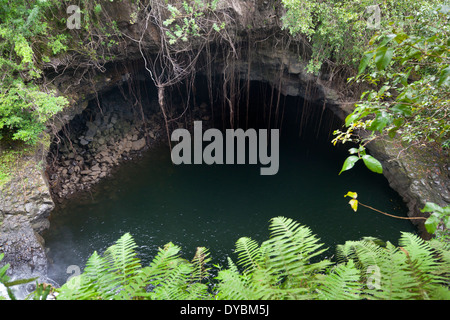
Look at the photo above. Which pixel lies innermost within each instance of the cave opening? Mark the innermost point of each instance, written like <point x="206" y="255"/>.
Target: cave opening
<point x="120" y="123"/>
<point x="126" y="181"/>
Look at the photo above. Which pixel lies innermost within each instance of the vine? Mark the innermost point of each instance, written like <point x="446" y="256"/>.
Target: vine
<point x="184" y="31"/>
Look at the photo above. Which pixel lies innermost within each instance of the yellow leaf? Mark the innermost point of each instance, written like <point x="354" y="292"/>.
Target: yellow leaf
<point x="354" y="204"/>
<point x="350" y="194"/>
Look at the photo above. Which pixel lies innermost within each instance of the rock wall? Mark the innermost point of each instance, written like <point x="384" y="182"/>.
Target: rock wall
<point x="25" y="204"/>
<point x="98" y="140"/>
<point x="419" y="175"/>
<point x="103" y="136"/>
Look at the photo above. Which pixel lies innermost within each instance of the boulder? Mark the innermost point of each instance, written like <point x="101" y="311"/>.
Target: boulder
<point x="84" y="142"/>
<point x="138" y="144"/>
<point x="96" y="168"/>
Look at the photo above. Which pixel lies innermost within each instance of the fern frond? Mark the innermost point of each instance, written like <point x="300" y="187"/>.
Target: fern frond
<point x="280" y="268"/>
<point x="166" y="258"/>
<point x="233" y="285"/>
<point x="268" y="286"/>
<point x="174" y="278"/>
<point x="116" y="275"/>
<point x="342" y="283"/>
<point x="422" y="264"/>
<point x="442" y="251"/>
<point x="406" y="272"/>
<point x="123" y="266"/>
<point x="419" y="251"/>
<point x="175" y="281"/>
<point x="97" y="273"/>
<point x="394" y="279"/>
<point x="123" y="258"/>
<point x="197" y="291"/>
<point x="200" y="264"/>
<point x="289" y="250"/>
<point x="77" y="288"/>
<point x="295" y="237"/>
<point x="248" y="253"/>
<point x="364" y="253"/>
<point x="92" y="284"/>
<point x="440" y="293"/>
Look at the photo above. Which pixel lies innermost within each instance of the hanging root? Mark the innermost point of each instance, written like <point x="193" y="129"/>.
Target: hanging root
<point x="163" y="109"/>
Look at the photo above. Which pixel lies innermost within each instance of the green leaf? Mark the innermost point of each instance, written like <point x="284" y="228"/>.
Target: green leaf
<point x="393" y="132"/>
<point x="365" y="61"/>
<point x="446" y="210"/>
<point x="351" y="118"/>
<point x="3" y="276"/>
<point x="372" y="163"/>
<point x="431" y="207"/>
<point x="445" y="75"/>
<point x="349" y="163"/>
<point x="404" y="77"/>
<point x="387" y="39"/>
<point x="19" y="282"/>
<point x="380" y="122"/>
<point x="432" y="223"/>
<point x="399" y="122"/>
<point x="98" y="8"/>
<point x="400" y="37"/>
<point x="383" y="89"/>
<point x="383" y="57"/>
<point x="403" y="109"/>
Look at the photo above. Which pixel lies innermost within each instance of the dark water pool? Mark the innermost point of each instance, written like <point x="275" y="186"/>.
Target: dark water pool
<point x="212" y="206"/>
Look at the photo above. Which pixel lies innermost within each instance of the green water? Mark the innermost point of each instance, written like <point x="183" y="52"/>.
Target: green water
<point x="212" y="206"/>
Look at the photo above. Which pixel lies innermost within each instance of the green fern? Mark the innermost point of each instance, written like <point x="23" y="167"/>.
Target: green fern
<point x="422" y="266"/>
<point x="408" y="272"/>
<point x="174" y="278"/>
<point x="116" y="275"/>
<point x="279" y="268"/>
<point x="342" y="283"/>
<point x="234" y="285"/>
<point x="442" y="250"/>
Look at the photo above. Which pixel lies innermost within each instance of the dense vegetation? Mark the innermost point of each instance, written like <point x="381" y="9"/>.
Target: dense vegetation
<point x="399" y="50"/>
<point x="31" y="34"/>
<point x="338" y="32"/>
<point x="402" y="56"/>
<point x="25" y="107"/>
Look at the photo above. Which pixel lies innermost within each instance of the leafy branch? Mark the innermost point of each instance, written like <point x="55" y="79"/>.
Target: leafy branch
<point x="354" y="202"/>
